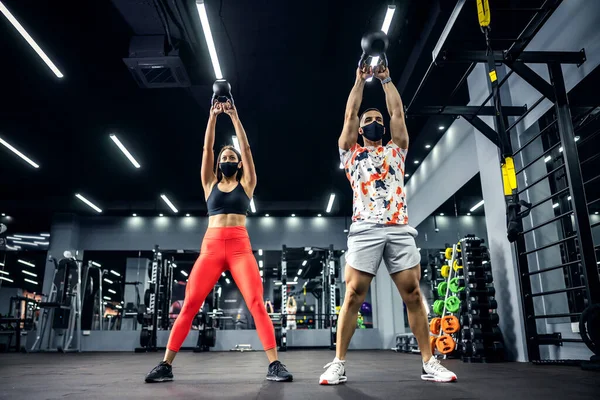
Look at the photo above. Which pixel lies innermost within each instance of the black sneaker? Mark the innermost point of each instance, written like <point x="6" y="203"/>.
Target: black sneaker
<point x="163" y="372"/>
<point x="278" y="372"/>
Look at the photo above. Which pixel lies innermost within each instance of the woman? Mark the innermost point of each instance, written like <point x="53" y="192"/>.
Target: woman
<point x="226" y="246"/>
<point x="291" y="308"/>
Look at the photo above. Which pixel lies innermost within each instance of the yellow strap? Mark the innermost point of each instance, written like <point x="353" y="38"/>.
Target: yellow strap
<point x="483" y="13"/>
<point x="509" y="177"/>
<point x="493" y="76"/>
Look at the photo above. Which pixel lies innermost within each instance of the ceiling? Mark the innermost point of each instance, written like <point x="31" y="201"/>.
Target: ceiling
<point x="291" y="66"/>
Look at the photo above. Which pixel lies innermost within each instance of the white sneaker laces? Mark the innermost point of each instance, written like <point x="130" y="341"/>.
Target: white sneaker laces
<point x="337" y="366"/>
<point x="435" y="365"/>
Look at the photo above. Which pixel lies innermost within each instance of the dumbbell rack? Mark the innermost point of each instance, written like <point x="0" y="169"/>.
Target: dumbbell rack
<point x="440" y="282"/>
<point x="481" y="339"/>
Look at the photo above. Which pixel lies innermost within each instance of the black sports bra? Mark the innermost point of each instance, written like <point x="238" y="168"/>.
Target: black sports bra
<point x="234" y="202"/>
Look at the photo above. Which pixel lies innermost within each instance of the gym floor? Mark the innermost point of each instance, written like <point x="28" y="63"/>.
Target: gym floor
<point x="221" y="375"/>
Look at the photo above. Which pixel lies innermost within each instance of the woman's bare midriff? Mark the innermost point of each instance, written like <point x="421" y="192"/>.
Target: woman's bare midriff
<point x="223" y="220"/>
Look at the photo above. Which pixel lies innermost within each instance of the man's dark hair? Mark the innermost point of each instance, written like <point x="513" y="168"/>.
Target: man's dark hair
<point x="367" y="110"/>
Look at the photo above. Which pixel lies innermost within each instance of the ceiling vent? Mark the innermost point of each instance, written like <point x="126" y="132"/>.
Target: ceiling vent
<point x="150" y="65"/>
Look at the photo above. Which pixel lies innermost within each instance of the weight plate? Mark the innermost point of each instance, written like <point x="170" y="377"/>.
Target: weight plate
<point x="210" y="337"/>
<point x="434" y="326"/>
<point x="448" y="253"/>
<point x="445" y="271"/>
<point x="442" y="289"/>
<point x="450" y="324"/>
<point x="456" y="285"/>
<point x="144" y="338"/>
<point x="589" y="327"/>
<point x="445" y="344"/>
<point x="438" y="307"/>
<point x="452" y="304"/>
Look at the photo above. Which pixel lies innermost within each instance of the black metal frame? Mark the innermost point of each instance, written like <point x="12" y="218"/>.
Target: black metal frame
<point x="578" y="240"/>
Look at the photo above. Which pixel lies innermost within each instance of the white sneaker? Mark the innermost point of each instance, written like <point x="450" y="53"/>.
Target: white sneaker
<point x="434" y="371"/>
<point x="335" y="374"/>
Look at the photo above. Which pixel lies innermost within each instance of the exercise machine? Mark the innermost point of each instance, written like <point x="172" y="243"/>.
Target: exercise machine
<point x="93" y="301"/>
<point x="150" y="318"/>
<point x="62" y="308"/>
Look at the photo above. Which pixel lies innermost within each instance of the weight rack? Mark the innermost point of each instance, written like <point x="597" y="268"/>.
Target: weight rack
<point x="481" y="338"/>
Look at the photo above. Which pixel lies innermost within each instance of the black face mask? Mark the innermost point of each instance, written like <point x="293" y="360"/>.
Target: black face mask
<point x="373" y="131"/>
<point x="228" y="169"/>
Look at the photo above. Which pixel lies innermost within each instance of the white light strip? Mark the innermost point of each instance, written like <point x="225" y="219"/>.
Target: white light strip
<point x="569" y="198"/>
<point x="387" y="21"/>
<point x="45" y="235"/>
<point x="300" y="271"/>
<point x="209" y="39"/>
<point x="554" y="205"/>
<point x="112" y="291"/>
<point x="261" y="272"/>
<point x="310" y="251"/>
<point x="26" y="263"/>
<point x="89" y="203"/>
<point x="236" y="143"/>
<point x="227" y="280"/>
<point x="95" y="264"/>
<point x="223" y="274"/>
<point x="3" y="272"/>
<point x="17" y="152"/>
<point x="476" y="206"/>
<point x="29" y="237"/>
<point x="260" y="252"/>
<point x="296" y="279"/>
<point x="121" y="147"/>
<point x="171" y="206"/>
<point x="25" y="243"/>
<point x="252" y="206"/>
<point x="30" y="40"/>
<point x="29" y="273"/>
<point x="42" y="243"/>
<point x="341" y="165"/>
<point x="548" y="158"/>
<point x="107" y="298"/>
<point x="30" y="281"/>
<point x="115" y="273"/>
<point x="330" y="204"/>
<point x="107" y="280"/>
<point x="6" y="279"/>
<point x="260" y="263"/>
<point x="304" y="263"/>
<point x="184" y="273"/>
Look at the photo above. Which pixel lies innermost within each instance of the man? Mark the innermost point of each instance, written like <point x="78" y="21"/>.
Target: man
<point x="380" y="227"/>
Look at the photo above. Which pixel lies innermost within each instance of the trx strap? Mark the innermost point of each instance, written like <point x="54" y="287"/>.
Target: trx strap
<point x="507" y="165"/>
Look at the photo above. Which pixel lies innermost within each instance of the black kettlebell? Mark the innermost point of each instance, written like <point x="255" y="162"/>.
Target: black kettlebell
<point x="221" y="92"/>
<point x="374" y="44"/>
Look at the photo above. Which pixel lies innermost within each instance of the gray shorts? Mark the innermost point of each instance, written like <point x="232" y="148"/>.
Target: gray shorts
<point x="369" y="243"/>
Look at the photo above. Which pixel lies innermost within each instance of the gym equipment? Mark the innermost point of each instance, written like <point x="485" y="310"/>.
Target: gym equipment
<point x="221" y="92"/>
<point x="442" y="289"/>
<point x="492" y="305"/>
<point x="365" y="308"/>
<point x="63" y="308"/>
<point x="450" y="324"/>
<point x="452" y="304"/>
<point x="374" y="44"/>
<point x="445" y="271"/>
<point x="472" y="348"/>
<point x="435" y="325"/>
<point x="93" y="301"/>
<point x="475" y="319"/>
<point x="478" y="334"/>
<point x="432" y="343"/>
<point x="457" y="265"/>
<point x="445" y="344"/>
<point x="438" y="307"/>
<point x="150" y="319"/>
<point x="207" y="334"/>
<point x="589" y="327"/>
<point x="456" y="285"/>
<point x="485" y="291"/>
<point x="448" y="253"/>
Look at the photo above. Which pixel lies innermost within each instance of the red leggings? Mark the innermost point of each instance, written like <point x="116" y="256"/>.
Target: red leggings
<point x="226" y="248"/>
